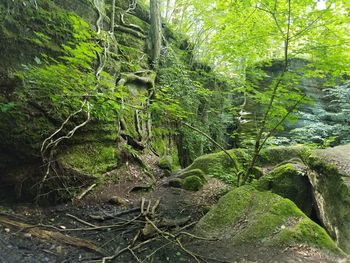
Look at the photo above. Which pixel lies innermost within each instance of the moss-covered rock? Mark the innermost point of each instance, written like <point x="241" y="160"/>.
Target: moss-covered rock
<point x="276" y="155"/>
<point x="194" y="172"/>
<point x="166" y="162"/>
<point x="48" y="61"/>
<point x="331" y="187"/>
<point x="192" y="183"/>
<point x="290" y="181"/>
<point x="248" y="216"/>
<point x="257" y="172"/>
<point x="176" y="182"/>
<point x="219" y="165"/>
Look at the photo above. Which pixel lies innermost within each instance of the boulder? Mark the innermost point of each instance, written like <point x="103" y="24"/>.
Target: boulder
<point x="248" y="216"/>
<point x="290" y="180"/>
<point x="219" y="165"/>
<point x="330" y="179"/>
<point x="166" y="163"/>
<point x="192" y="183"/>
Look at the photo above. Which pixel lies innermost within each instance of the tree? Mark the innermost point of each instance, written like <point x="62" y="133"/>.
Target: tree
<point x="155" y="32"/>
<point x="246" y="34"/>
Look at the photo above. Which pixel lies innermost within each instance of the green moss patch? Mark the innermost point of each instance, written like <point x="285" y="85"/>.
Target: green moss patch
<point x="246" y="215"/>
<point x="92" y="159"/>
<point x="192" y="183"/>
<point x="219" y="165"/>
<point x="275" y="155"/>
<point x="289" y="181"/>
<point x="166" y="162"/>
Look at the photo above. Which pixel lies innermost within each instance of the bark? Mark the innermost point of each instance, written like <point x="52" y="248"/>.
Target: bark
<point x="155" y="32"/>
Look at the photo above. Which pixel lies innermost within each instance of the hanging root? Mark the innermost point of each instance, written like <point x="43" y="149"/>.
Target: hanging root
<point x="50" y="144"/>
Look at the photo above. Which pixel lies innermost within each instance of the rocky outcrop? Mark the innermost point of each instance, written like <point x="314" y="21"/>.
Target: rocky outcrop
<point x="60" y="63"/>
<point x="330" y="179"/>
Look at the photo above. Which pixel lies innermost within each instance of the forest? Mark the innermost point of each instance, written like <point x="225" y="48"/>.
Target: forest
<point x="154" y="131"/>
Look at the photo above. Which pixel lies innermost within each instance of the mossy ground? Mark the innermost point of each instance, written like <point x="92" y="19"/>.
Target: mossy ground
<point x="246" y="215"/>
<point x="192" y="183"/>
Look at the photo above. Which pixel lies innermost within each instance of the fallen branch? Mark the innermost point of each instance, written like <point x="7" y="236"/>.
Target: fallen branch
<point x="35" y="231"/>
<point x="81" y="221"/>
<point x="85" y="192"/>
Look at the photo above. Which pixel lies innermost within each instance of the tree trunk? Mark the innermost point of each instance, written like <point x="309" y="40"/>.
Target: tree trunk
<point x="167" y="11"/>
<point x="155" y="32"/>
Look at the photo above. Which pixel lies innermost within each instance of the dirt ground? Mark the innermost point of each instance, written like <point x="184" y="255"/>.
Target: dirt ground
<point x="116" y="229"/>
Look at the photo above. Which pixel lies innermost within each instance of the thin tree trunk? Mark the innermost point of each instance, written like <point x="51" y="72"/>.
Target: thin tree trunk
<point x="155" y="32"/>
<point x="260" y="141"/>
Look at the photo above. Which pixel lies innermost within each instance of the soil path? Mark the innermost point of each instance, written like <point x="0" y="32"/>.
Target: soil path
<point x="125" y="223"/>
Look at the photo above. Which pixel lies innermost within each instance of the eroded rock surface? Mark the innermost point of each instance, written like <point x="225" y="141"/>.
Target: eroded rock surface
<point x="330" y="181"/>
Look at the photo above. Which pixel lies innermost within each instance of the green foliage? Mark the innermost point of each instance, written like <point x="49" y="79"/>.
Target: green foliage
<point x="194" y="94"/>
<point x="65" y="82"/>
<point x="166" y="162"/>
<point x="328" y="124"/>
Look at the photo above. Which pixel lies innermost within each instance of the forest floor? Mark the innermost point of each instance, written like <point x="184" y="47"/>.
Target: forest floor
<point x="101" y="227"/>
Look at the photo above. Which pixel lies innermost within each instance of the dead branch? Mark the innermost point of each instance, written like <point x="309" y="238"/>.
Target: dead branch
<point x="85" y="192"/>
<point x="112" y="216"/>
<point x="81" y="220"/>
<point x="35" y="231"/>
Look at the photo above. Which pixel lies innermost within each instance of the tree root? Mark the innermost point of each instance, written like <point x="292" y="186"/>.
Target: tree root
<point x="130" y="31"/>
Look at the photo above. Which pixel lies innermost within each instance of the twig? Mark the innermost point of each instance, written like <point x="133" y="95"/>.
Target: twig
<point x="187" y="251"/>
<point x="81" y="220"/>
<point x="111" y="216"/>
<point x="155" y="251"/>
<point x="134" y="255"/>
<point x="79" y="197"/>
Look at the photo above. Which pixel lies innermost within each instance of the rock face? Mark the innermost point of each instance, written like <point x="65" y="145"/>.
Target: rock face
<point x="53" y="53"/>
<point x="330" y="180"/>
<point x="290" y="180"/>
<point x="248" y="216"/>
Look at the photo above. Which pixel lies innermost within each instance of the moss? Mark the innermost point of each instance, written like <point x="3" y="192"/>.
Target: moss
<point x="194" y="172"/>
<point x="192" y="183"/>
<point x="176" y="182"/>
<point x="290" y="181"/>
<point x="246" y="215"/>
<point x="306" y="231"/>
<point x="92" y="159"/>
<point x="275" y="155"/>
<point x="166" y="162"/>
<point x="219" y="165"/>
<point x="257" y="172"/>
<point x="333" y="193"/>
